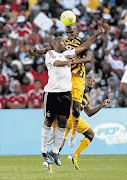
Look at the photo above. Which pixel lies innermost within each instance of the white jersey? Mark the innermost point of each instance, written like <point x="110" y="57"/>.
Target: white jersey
<point x="124" y="78"/>
<point x="59" y="77"/>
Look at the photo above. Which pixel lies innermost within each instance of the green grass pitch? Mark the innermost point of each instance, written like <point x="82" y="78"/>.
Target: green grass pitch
<point x="95" y="167"/>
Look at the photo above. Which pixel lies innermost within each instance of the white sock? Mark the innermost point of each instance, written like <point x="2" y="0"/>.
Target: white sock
<point x="44" y="138"/>
<point x="59" y="137"/>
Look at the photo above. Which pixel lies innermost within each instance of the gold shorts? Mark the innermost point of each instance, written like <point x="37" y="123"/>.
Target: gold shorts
<point x="78" y="86"/>
<point x="82" y="127"/>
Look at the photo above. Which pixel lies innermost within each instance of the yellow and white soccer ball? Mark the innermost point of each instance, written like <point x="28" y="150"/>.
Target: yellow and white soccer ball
<point x="68" y="18"/>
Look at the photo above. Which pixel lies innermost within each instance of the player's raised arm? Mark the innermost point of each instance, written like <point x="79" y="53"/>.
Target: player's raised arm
<point x="34" y="50"/>
<point x="62" y="63"/>
<point x="85" y="59"/>
<point x="90" y="41"/>
<point x="91" y="112"/>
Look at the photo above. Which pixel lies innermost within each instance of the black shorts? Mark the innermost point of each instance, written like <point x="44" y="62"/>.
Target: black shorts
<point x="57" y="104"/>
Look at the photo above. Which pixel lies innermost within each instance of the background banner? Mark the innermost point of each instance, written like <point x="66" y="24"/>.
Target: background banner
<point x="20" y="132"/>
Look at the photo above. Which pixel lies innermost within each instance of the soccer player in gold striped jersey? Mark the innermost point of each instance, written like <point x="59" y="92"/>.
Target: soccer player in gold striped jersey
<point x="78" y="79"/>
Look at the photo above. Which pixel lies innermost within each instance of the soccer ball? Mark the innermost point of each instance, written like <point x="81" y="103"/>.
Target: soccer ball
<point x="68" y="18"/>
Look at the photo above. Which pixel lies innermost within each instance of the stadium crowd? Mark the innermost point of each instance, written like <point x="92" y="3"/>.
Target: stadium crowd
<point x="28" y="23"/>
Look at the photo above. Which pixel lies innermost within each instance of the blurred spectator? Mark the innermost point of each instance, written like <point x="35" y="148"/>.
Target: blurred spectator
<point x="17" y="100"/>
<point x="40" y="74"/>
<point x="2" y="98"/>
<point x="4" y="80"/>
<point x="112" y="92"/>
<point x="24" y="29"/>
<point x="116" y="62"/>
<point x="27" y="82"/>
<point x="27" y="64"/>
<point x="107" y="76"/>
<point x="35" y="96"/>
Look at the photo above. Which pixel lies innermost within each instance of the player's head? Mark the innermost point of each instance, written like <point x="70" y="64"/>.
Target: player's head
<point x="37" y="84"/>
<point x="90" y="81"/>
<point x="58" y="44"/>
<point x="71" y="31"/>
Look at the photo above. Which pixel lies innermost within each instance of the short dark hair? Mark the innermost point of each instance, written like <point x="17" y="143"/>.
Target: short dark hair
<point x="90" y="77"/>
<point x="55" y="40"/>
<point x="73" y="26"/>
<point x="37" y="80"/>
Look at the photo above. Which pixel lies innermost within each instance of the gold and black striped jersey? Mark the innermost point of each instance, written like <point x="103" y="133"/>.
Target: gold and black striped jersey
<point x="85" y="100"/>
<point x="78" y="69"/>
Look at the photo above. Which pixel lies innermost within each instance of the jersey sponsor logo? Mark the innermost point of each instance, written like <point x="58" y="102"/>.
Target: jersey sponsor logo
<point x="111" y="133"/>
<point x="69" y="47"/>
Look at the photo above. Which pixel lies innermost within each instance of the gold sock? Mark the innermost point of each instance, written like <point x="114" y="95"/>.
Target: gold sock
<point x="83" y="145"/>
<point x="54" y="125"/>
<point x="74" y="124"/>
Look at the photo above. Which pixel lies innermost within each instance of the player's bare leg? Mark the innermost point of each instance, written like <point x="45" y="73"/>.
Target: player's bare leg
<point x="75" y="115"/>
<point x="89" y="135"/>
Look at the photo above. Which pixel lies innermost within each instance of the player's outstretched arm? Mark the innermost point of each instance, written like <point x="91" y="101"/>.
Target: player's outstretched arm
<point x="62" y="63"/>
<point x="90" y="41"/>
<point x="91" y="112"/>
<point x="82" y="60"/>
<point x="34" y="50"/>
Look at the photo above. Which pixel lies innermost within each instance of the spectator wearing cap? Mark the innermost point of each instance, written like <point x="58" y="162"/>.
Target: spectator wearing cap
<point x="22" y="28"/>
<point x="17" y="100"/>
<point x="27" y="82"/>
<point x="27" y="64"/>
<point x="106" y="18"/>
<point x="35" y="96"/>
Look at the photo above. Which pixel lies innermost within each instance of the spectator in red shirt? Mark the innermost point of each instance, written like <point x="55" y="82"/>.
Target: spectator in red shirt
<point x="24" y="30"/>
<point x="35" y="96"/>
<point x="41" y="74"/>
<point x="27" y="82"/>
<point x="17" y="100"/>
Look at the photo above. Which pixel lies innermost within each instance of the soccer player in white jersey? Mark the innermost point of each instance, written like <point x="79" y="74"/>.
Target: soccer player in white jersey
<point x="57" y="97"/>
<point x="123" y="84"/>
